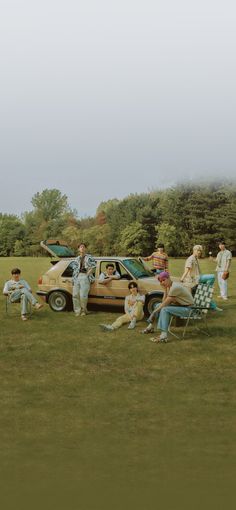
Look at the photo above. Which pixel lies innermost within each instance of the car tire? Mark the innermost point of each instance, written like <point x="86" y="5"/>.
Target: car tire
<point x="151" y="302"/>
<point x="58" y="301"/>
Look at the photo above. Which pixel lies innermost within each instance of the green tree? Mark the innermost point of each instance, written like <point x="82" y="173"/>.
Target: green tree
<point x="133" y="239"/>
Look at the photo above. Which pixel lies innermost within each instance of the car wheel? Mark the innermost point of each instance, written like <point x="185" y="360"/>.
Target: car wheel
<point x="58" y="301"/>
<point x="151" y="303"/>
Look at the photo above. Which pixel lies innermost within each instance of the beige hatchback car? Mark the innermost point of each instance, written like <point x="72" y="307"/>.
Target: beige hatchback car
<point x="55" y="286"/>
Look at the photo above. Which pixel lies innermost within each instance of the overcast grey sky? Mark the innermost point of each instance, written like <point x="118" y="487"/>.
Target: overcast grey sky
<point x="102" y="98"/>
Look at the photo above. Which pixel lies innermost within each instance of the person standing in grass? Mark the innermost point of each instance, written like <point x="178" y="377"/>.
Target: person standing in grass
<point x="223" y="260"/>
<point x="133" y="310"/>
<point x="159" y="259"/>
<point x="17" y="290"/>
<point x="82" y="276"/>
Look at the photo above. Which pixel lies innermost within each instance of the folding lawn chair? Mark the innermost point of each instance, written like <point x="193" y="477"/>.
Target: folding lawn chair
<point x="197" y="312"/>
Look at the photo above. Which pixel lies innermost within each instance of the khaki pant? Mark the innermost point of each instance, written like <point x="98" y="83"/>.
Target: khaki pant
<point x="124" y="319"/>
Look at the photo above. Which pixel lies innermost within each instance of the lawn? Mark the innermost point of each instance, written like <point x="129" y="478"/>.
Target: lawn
<point x="94" y="421"/>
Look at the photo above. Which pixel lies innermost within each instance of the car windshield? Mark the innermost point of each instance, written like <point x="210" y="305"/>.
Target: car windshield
<point x="136" y="268"/>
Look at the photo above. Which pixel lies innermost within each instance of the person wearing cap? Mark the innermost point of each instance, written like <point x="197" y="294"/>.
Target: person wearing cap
<point x="176" y="300"/>
<point x="223" y="260"/>
<point x="159" y="259"/>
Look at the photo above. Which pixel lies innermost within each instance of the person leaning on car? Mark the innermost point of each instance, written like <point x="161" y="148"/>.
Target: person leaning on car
<point x="108" y="275"/>
<point x="82" y="277"/>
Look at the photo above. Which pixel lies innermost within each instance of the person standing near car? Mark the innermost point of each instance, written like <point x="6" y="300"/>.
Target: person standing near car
<point x="159" y="259"/>
<point x="82" y="278"/>
<point x="223" y="260"/>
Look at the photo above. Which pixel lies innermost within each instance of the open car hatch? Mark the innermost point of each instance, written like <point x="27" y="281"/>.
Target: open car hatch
<point x="57" y="248"/>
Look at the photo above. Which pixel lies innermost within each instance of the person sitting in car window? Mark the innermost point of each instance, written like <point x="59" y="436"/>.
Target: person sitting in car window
<point x="133" y="310"/>
<point x="109" y="275"/>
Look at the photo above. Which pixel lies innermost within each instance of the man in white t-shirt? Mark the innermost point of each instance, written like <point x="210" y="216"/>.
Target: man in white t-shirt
<point x="223" y="260"/>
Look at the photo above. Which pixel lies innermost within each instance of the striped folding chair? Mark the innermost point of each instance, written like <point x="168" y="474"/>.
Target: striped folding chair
<point x="198" y="312"/>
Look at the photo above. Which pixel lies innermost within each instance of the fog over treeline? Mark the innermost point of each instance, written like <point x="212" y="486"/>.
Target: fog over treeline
<point x="179" y="217"/>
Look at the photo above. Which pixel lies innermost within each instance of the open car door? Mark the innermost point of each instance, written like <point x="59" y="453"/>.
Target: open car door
<point x="57" y="248"/>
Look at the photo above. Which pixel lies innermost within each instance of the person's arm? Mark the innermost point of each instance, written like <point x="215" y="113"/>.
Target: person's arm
<point x="228" y="262"/>
<point x="146" y="259"/>
<point x="185" y="273"/>
<point x="6" y="289"/>
<point x="103" y="280"/>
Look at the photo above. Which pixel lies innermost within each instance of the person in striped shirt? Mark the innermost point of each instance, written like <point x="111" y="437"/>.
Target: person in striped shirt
<point x="159" y="259"/>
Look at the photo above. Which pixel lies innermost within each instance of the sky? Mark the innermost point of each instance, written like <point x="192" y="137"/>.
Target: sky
<point x="103" y="98"/>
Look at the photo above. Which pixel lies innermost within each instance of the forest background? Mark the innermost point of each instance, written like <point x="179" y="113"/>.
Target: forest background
<point x="179" y="217"/>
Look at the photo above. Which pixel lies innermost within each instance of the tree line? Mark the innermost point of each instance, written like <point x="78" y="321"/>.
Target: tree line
<point x="179" y="217"/>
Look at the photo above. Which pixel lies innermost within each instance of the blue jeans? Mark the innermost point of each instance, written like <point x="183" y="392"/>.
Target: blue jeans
<point x="166" y="313"/>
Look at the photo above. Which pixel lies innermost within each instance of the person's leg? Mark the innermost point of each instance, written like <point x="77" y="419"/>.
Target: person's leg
<point x="84" y="292"/>
<point x="123" y="319"/>
<point x="76" y="298"/>
<point x="224" y="288"/>
<point x="29" y="296"/>
<point x="165" y="316"/>
<point x="220" y="283"/>
<point x="138" y="314"/>
<point x="209" y="279"/>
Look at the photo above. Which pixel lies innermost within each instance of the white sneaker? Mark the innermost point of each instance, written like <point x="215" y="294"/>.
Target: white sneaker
<point x="106" y="327"/>
<point x="37" y="306"/>
<point x="132" y="324"/>
<point x="224" y="298"/>
<point x="77" y="314"/>
<point x="217" y="309"/>
<point x="163" y="337"/>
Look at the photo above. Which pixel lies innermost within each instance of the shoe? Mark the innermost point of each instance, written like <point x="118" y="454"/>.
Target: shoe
<point x="106" y="327"/>
<point x="83" y="314"/>
<point x="132" y="324"/>
<point x="220" y="297"/>
<point x="77" y="314"/>
<point x="224" y="298"/>
<point x="37" y="306"/>
<point x="159" y="339"/>
<point x="24" y="318"/>
<point x="217" y="309"/>
<point x="148" y="329"/>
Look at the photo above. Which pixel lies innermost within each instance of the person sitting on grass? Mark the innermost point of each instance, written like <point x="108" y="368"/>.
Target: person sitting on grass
<point x="133" y="310"/>
<point x="176" y="300"/>
<point x="18" y="289"/>
<point x="109" y="275"/>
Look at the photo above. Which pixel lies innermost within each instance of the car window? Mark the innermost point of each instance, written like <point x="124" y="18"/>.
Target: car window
<point x="103" y="268"/>
<point x="68" y="271"/>
<point x="136" y="268"/>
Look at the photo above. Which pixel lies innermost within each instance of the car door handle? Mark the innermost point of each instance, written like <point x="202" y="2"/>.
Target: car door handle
<point x="65" y="281"/>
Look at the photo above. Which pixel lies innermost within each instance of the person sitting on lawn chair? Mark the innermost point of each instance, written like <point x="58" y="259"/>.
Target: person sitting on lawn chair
<point x="176" y="299"/>
<point x="17" y="290"/>
<point x="133" y="310"/>
<point x="192" y="276"/>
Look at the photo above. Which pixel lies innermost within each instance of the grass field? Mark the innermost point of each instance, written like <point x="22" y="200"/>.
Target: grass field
<point x="93" y="421"/>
